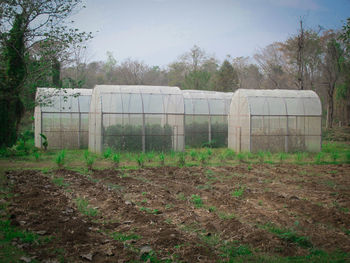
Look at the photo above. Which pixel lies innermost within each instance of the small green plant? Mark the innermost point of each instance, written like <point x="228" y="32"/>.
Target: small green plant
<point x="181" y="197"/>
<point x="193" y="154"/>
<point x="124" y="237"/>
<point x="60" y="158"/>
<point x="238" y="192"/>
<point x="226" y="216"/>
<point x="241" y="157"/>
<point x="181" y="159"/>
<point x="107" y="153"/>
<point x="282" y="157"/>
<point x="261" y="156"/>
<point x="36" y="155"/>
<point x="231" y="250"/>
<point x="209" y="153"/>
<point x="203" y="158"/>
<point x="335" y="156"/>
<point x="230" y="154"/>
<point x="83" y="207"/>
<point x="222" y="157"/>
<point x="161" y="159"/>
<point x="150" y="156"/>
<point x="250" y="167"/>
<point x="89" y="159"/>
<point x="149" y="211"/>
<point x="59" y="181"/>
<point x="197" y="201"/>
<point x="140" y="160"/>
<point x="45" y="142"/>
<point x="116" y="160"/>
<point x="211" y="209"/>
<point x="319" y="158"/>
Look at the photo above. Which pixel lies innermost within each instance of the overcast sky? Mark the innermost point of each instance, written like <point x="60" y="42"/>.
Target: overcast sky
<point x="158" y="31"/>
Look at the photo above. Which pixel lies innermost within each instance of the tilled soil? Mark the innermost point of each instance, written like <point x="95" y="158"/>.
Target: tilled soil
<point x="156" y="205"/>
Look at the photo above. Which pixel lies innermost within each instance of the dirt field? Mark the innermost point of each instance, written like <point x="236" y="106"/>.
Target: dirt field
<point x="191" y="214"/>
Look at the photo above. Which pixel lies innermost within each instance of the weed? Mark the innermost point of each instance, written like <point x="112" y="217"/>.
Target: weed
<point x="260" y="203"/>
<point x="181" y="197"/>
<point x="203" y="158"/>
<point x="249" y="167"/>
<point x="168" y="206"/>
<point x="60" y="158"/>
<point x="116" y="160"/>
<point x="241" y="157"/>
<point x="238" y="192"/>
<point x="197" y="201"/>
<point x="150" y="211"/>
<point x="89" y="159"/>
<point x="45" y="142"/>
<point x="150" y="156"/>
<point x="319" y="158"/>
<point x="140" y="160"/>
<point x="162" y="159"/>
<point x="299" y="157"/>
<point x="282" y="157"/>
<point x="59" y="181"/>
<point x="36" y="155"/>
<point x="335" y="156"/>
<point x="261" y="156"/>
<point x="82" y="205"/>
<point x="209" y="153"/>
<point x="289" y="235"/>
<point x="181" y="159"/>
<point x="222" y="157"/>
<point x="193" y="154"/>
<point x="230" y="250"/>
<point x="211" y="209"/>
<point x="124" y="237"/>
<point x="107" y="153"/>
<point x="230" y="154"/>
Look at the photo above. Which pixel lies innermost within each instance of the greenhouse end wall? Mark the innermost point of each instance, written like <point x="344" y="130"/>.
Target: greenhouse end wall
<point x="136" y="118"/>
<point x="275" y="120"/>
<point x="62" y="116"/>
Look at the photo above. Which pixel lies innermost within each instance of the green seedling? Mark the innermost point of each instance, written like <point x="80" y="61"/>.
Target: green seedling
<point x="60" y="158"/>
<point x="59" y="181"/>
<point x="230" y="154"/>
<point x="319" y="158"/>
<point x="282" y="157"/>
<point x="36" y="155"/>
<point x="261" y="156"/>
<point x="335" y="156"/>
<point x="238" y="192"/>
<point x="83" y="207"/>
<point x="140" y="160"/>
<point x="241" y="157"/>
<point x="181" y="161"/>
<point x="124" y="237"/>
<point x="116" y="160"/>
<point x="197" y="201"/>
<point x="193" y="155"/>
<point x="107" y="153"/>
<point x="150" y="156"/>
<point x="209" y="153"/>
<point x="89" y="159"/>
<point x="203" y="158"/>
<point x="162" y="159"/>
<point x="45" y="142"/>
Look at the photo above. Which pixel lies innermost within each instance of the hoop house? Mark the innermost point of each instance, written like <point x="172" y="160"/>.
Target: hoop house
<point x="136" y="118"/>
<point x="275" y="120"/>
<point x="62" y="115"/>
<point x="206" y="117"/>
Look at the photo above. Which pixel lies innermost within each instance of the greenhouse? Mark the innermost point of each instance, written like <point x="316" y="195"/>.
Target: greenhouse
<point x="136" y="118"/>
<point x="275" y="120"/>
<point x="62" y="116"/>
<point x="206" y="117"/>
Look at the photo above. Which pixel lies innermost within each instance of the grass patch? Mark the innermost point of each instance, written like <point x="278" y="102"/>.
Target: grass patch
<point x="59" y="181"/>
<point x="83" y="207"/>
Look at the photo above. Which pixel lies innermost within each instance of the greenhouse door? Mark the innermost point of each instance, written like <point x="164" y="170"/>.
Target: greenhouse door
<point x="238" y="139"/>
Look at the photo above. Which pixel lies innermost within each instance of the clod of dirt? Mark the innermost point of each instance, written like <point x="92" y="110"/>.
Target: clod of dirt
<point x="41" y="232"/>
<point x="26" y="259"/>
<point x="87" y="256"/>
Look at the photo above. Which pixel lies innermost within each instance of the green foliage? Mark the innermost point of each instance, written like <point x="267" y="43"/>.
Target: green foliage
<point x="282" y="157"/>
<point x="116" y="159"/>
<point x="59" y="181"/>
<point x="193" y="154"/>
<point x="83" y="207"/>
<point x="60" y="158"/>
<point x="149" y="211"/>
<point x="45" y="142"/>
<point x="181" y="159"/>
<point x="89" y="159"/>
<point x="197" y="201"/>
<point x="162" y="159"/>
<point x="150" y="156"/>
<point x="129" y="137"/>
<point x="241" y="157"/>
<point x="238" y="192"/>
<point x="230" y="154"/>
<point x="319" y="158"/>
<point x="289" y="235"/>
<point x="107" y="153"/>
<point x="140" y="158"/>
<point x="335" y="156"/>
<point x="203" y="158"/>
<point x="36" y="155"/>
<point x="124" y="237"/>
<point x="231" y="250"/>
<point x="261" y="156"/>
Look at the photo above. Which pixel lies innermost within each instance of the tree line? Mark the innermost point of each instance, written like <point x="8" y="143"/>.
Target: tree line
<point x="39" y="49"/>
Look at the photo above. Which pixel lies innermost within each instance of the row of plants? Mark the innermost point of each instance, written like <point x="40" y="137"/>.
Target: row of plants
<point x="197" y="135"/>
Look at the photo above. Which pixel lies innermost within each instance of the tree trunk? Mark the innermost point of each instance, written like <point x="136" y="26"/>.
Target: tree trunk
<point x="329" y="121"/>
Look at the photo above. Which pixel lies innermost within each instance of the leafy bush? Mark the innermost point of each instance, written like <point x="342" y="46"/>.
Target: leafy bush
<point x="129" y="137"/>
